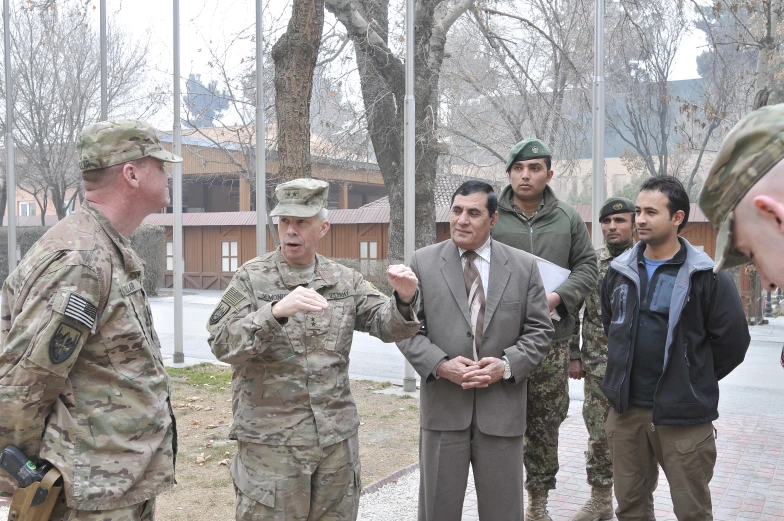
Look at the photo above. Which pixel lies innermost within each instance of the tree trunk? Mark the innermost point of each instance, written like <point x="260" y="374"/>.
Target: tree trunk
<point x="382" y="77"/>
<point x="295" y="55"/>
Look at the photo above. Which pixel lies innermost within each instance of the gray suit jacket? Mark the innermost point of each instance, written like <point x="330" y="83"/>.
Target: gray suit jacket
<point x="516" y="324"/>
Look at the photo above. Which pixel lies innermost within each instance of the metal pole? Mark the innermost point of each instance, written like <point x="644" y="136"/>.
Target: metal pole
<point x="10" y="167"/>
<point x="598" y="195"/>
<point x="179" y="263"/>
<point x="409" y="196"/>
<point x="104" y="68"/>
<point x="261" y="144"/>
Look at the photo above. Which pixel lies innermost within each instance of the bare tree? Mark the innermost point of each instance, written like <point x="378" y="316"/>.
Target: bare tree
<point x="519" y="72"/>
<point x="644" y="42"/>
<point x="56" y="93"/>
<point x="382" y="77"/>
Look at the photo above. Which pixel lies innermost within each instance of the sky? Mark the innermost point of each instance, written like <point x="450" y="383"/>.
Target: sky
<point x="214" y="24"/>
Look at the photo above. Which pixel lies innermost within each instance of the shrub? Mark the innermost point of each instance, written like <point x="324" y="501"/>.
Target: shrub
<point x="149" y="243"/>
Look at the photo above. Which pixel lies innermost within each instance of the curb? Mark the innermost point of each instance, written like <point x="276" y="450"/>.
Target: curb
<point x="374" y="487"/>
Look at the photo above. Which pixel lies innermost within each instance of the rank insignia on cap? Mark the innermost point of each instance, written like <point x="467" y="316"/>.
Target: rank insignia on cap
<point x="291" y="194"/>
<point x="535" y="150"/>
<point x="617" y="206"/>
<point x="63" y="343"/>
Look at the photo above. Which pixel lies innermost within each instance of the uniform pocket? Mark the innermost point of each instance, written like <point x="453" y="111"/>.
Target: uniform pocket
<point x="126" y="345"/>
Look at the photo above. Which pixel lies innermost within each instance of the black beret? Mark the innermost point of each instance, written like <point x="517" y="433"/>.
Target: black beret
<point x="615" y="205"/>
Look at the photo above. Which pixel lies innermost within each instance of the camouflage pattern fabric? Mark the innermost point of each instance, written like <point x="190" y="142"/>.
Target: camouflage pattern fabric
<point x="109" y="143"/>
<point x="290" y="381"/>
<point x="598" y="465"/>
<point x="82" y="381"/>
<point x="288" y="483"/>
<point x="593" y="352"/>
<point x="548" y="404"/>
<point x="301" y="197"/>
<point x="144" y="511"/>
<point x="752" y="148"/>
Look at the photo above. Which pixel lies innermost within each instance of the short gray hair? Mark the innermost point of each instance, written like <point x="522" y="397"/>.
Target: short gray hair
<point x="323" y="213"/>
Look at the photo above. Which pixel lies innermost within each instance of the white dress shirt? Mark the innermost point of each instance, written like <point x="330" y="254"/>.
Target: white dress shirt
<point x="481" y="261"/>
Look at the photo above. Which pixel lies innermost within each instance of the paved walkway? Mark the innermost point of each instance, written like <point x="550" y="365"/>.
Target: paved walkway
<point x="748" y="481"/>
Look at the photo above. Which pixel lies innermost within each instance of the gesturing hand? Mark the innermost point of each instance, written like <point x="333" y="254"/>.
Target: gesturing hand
<point x="455" y="369"/>
<point x="301" y="299"/>
<point x="403" y="280"/>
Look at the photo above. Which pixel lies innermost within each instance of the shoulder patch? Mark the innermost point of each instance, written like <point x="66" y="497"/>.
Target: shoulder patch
<point x="63" y="343"/>
<point x="231" y="299"/>
<point x="82" y="310"/>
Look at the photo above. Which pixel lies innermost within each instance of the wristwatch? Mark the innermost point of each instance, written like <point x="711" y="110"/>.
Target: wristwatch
<point x="507" y="370"/>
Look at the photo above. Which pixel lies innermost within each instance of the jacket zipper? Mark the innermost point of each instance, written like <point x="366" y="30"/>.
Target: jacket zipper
<point x="531" y="227"/>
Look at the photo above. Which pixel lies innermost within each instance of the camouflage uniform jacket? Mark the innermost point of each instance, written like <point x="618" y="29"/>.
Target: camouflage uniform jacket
<point x="82" y="382"/>
<point x="290" y="381"/>
<point x="593" y="353"/>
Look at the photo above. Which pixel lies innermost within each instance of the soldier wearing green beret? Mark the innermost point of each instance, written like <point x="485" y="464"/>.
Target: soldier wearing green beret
<point x="533" y="219"/>
<point x="589" y="361"/>
<point x="82" y="381"/>
<point x="285" y="324"/>
<point x="743" y="195"/>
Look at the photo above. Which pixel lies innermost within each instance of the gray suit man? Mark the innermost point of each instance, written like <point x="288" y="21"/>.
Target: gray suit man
<point x="485" y="327"/>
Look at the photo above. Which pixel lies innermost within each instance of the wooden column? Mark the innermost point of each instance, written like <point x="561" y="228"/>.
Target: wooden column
<point x="343" y="199"/>
<point x="244" y="195"/>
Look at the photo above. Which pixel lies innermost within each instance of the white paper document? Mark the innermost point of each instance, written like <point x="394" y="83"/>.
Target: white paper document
<point x="552" y="277"/>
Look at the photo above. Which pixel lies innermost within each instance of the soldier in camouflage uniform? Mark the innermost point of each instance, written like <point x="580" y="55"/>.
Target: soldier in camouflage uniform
<point x="285" y="324"/>
<point x="590" y="362"/>
<point x="743" y="196"/>
<point x="533" y="219"/>
<point x="82" y="381"/>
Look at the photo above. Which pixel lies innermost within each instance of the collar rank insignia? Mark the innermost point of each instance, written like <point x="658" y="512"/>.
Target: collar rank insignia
<point x="63" y="343"/>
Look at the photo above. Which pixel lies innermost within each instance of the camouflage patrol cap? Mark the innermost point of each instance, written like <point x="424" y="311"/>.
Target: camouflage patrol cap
<point x="109" y="143"/>
<point x="750" y="150"/>
<point x="301" y="197"/>
<point x="615" y="205"/>
<point x="526" y="149"/>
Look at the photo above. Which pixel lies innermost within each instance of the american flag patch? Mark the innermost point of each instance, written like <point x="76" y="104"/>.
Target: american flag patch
<point x="81" y="310"/>
<point x="233" y="296"/>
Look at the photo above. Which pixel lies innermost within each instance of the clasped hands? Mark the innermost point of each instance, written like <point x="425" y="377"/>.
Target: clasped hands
<point x="470" y="374"/>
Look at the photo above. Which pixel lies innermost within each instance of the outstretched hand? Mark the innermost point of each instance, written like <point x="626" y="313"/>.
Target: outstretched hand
<point x="403" y="281"/>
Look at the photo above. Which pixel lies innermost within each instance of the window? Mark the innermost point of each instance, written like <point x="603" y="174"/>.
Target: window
<point x="368" y="257"/>
<point x="26" y="208"/>
<point x="229" y="257"/>
<point x="170" y="256"/>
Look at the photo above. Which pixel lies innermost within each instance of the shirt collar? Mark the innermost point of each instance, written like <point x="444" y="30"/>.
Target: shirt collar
<point x="483" y="251"/>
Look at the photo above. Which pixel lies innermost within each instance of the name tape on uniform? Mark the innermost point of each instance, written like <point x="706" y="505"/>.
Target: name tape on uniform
<point x="81" y="310"/>
<point x="131" y="287"/>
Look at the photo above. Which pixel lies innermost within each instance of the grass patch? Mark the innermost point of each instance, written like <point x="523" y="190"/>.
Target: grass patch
<point x="205" y="375"/>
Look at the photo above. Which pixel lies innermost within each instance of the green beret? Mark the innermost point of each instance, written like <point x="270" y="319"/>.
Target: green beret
<point x="301" y="198"/>
<point x="526" y="149"/>
<point x="752" y="148"/>
<point x="615" y="205"/>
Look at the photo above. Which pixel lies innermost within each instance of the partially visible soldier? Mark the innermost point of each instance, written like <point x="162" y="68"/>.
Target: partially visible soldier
<point x="82" y="381"/>
<point x="285" y="324"/>
<point x="743" y="195"/>
<point x="590" y="362"/>
<point x="533" y="219"/>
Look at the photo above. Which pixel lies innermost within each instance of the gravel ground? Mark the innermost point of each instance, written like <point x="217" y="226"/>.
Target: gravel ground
<point x="398" y="501"/>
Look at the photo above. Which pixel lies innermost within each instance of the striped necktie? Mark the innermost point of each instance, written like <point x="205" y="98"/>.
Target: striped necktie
<point x="476" y="300"/>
